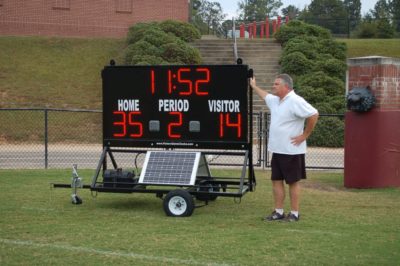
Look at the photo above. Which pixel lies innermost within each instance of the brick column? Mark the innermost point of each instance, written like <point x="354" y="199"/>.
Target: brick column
<point x="372" y="139"/>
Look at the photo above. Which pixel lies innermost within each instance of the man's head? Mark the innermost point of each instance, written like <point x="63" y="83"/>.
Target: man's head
<point x="283" y="84"/>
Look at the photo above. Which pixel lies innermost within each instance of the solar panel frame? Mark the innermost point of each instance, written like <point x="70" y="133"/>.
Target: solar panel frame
<point x="170" y="168"/>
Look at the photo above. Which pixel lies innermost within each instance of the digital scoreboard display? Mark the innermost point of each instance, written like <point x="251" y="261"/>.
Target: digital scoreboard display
<point x="202" y="106"/>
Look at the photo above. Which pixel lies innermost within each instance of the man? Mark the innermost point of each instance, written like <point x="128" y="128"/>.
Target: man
<point x="287" y="142"/>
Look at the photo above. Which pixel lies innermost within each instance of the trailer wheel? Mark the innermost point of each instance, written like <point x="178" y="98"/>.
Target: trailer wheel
<point x="178" y="203"/>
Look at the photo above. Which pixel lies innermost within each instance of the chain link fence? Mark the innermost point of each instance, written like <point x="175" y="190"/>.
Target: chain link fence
<point x="56" y="138"/>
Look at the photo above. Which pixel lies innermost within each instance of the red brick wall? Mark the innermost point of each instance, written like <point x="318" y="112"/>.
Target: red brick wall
<point x="382" y="74"/>
<point x="84" y="18"/>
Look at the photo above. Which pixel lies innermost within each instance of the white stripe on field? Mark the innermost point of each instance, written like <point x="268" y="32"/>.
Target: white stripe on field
<point x="108" y="252"/>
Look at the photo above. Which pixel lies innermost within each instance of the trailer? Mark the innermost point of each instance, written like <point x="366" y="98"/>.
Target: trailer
<point x="176" y="117"/>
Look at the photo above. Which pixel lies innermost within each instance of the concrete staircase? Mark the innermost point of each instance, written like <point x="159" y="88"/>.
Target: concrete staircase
<point x="261" y="55"/>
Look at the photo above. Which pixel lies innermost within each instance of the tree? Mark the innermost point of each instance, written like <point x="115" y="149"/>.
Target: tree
<point x="381" y="9"/>
<point x="207" y="15"/>
<point x="258" y="10"/>
<point x="353" y="8"/>
<point x="394" y="6"/>
<point x="291" y="11"/>
<point x="382" y="15"/>
<point x="330" y="14"/>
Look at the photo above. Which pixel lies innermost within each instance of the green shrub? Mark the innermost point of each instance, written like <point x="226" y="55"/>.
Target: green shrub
<point x="138" y="31"/>
<point x="329" y="132"/>
<point x="184" y="31"/>
<point x="157" y="43"/>
<point x="367" y="30"/>
<point x="297" y="28"/>
<point x="140" y="48"/>
<point x="147" y="60"/>
<point x="385" y="29"/>
<point x="332" y="47"/>
<point x="180" y="53"/>
<point x="332" y="86"/>
<point x="305" y="45"/>
<point x="311" y="94"/>
<point x="296" y="63"/>
<point x="325" y="107"/>
<point x="157" y="37"/>
<point x="338" y="102"/>
<point x="332" y="67"/>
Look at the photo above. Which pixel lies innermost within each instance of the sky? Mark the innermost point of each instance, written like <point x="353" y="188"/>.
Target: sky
<point x="230" y="6"/>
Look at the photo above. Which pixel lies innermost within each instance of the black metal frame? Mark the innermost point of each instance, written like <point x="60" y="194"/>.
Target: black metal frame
<point x="230" y="186"/>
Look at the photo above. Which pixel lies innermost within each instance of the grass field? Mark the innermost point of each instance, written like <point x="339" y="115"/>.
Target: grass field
<point x="338" y="226"/>
<point x="367" y="47"/>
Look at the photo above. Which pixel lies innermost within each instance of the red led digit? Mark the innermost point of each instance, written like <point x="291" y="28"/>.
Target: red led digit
<point x="228" y="123"/>
<point x="122" y="124"/>
<point x="238" y="124"/>
<point x="137" y="124"/>
<point x="221" y="125"/>
<point x="169" y="82"/>
<point x="176" y="124"/>
<point x="205" y="80"/>
<point x="185" y="81"/>
<point x="153" y="86"/>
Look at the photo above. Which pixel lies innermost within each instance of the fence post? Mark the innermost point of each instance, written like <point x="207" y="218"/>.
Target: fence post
<point x="279" y="21"/>
<point x="242" y="31"/>
<point x="46" y="139"/>
<point x="255" y="29"/>
<point x="262" y="30"/>
<point x="250" y="29"/>
<point x="267" y="27"/>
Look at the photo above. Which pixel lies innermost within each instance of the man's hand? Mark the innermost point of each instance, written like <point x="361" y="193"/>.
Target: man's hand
<point x="259" y="91"/>
<point x="253" y="82"/>
<point x="298" y="140"/>
<point x="311" y="122"/>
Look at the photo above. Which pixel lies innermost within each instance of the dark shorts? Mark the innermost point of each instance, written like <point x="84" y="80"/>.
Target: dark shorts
<point x="290" y="168"/>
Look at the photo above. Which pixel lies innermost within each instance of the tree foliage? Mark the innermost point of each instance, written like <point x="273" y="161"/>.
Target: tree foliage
<point x="290" y="11"/>
<point x="330" y="14"/>
<point x="207" y="16"/>
<point x="382" y="21"/>
<point x="394" y="6"/>
<point x="258" y="10"/>
<point x="353" y="8"/>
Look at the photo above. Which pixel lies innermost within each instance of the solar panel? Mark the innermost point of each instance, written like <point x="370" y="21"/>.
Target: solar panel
<point x="170" y="168"/>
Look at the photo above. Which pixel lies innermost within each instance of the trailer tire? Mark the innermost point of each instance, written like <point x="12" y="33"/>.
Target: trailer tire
<point x="178" y="203"/>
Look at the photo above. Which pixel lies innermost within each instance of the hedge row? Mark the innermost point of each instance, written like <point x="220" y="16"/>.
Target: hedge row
<point x="317" y="64"/>
<point x="160" y="43"/>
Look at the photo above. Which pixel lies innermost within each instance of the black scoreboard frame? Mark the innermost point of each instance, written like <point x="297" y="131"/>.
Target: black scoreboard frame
<point x="206" y="187"/>
<point x="211" y="97"/>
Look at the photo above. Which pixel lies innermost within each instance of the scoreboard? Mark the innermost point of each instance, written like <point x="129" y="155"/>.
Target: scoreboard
<point x="201" y="106"/>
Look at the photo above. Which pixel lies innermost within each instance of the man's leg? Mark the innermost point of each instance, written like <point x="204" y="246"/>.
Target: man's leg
<point x="294" y="193"/>
<point x="278" y="190"/>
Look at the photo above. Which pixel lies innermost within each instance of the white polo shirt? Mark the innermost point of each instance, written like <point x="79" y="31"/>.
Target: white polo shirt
<point x="287" y="121"/>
